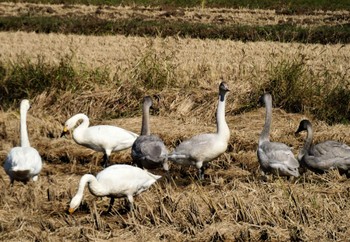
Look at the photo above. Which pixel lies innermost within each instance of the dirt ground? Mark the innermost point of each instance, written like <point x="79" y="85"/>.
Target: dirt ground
<point x="200" y="15"/>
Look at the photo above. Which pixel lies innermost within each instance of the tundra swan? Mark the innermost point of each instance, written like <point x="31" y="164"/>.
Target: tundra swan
<point x="274" y="157"/>
<point x="115" y="181"/>
<point x="323" y="156"/>
<point x="103" y="138"/>
<point x="24" y="162"/>
<point x="203" y="148"/>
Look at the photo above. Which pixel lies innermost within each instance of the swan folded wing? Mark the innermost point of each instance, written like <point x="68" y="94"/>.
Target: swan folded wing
<point x="24" y="158"/>
<point x="203" y="147"/>
<point x="149" y="147"/>
<point x="279" y="153"/>
<point x="125" y="179"/>
<point x="97" y="137"/>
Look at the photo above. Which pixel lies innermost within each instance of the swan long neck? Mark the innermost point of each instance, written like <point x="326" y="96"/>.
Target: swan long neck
<point x="308" y="142"/>
<point x="145" y="130"/>
<point x="221" y="125"/>
<point x="265" y="134"/>
<point x="23" y="128"/>
<point x="94" y="187"/>
<point x="85" y="124"/>
<point x="77" y="133"/>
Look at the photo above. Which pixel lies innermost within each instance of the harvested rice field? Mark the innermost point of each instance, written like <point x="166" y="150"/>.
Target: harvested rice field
<point x="234" y="202"/>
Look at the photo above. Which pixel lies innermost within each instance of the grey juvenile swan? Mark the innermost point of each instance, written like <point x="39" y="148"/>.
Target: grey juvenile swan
<point x="149" y="151"/>
<point x="274" y="157"/>
<point x="203" y="148"/>
<point x="323" y="156"/>
<point x="23" y="163"/>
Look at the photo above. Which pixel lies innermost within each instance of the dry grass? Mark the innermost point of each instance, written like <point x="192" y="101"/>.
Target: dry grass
<point x="234" y="203"/>
<point x="220" y="16"/>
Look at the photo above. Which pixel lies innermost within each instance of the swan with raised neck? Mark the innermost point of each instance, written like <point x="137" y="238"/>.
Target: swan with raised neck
<point x="274" y="157"/>
<point x="23" y="163"/>
<point x="148" y="150"/>
<point x="204" y="148"/>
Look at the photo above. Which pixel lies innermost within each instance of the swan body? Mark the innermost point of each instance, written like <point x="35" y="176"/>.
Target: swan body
<point x="23" y="163"/>
<point x="102" y="138"/>
<point x="115" y="181"/>
<point x="274" y="157"/>
<point x="204" y="148"/>
<point x="149" y="151"/>
<point x="323" y="156"/>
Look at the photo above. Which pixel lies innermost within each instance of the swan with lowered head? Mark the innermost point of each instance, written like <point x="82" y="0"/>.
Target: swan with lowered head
<point x="274" y="157"/>
<point x="102" y="138"/>
<point x="23" y="163"/>
<point x="204" y="148"/>
<point x="115" y="181"/>
<point x="149" y="151"/>
<point x="323" y="156"/>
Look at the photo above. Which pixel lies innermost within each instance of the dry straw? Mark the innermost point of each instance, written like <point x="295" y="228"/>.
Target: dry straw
<point x="234" y="203"/>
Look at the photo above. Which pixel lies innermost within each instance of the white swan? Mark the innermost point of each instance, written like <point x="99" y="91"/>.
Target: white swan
<point x="23" y="163"/>
<point x="203" y="148"/>
<point x="149" y="151"/>
<point x="323" y="156"/>
<point x="115" y="181"/>
<point x="103" y="138"/>
<point x="274" y="157"/>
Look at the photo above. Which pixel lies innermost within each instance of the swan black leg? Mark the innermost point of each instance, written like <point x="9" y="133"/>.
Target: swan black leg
<point x="111" y="202"/>
<point x="201" y="173"/>
<point x="105" y="160"/>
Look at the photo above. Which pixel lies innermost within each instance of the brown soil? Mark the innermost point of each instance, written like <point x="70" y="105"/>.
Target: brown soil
<point x="199" y="15"/>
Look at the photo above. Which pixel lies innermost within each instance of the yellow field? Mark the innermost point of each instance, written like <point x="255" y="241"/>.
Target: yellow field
<point x="234" y="203"/>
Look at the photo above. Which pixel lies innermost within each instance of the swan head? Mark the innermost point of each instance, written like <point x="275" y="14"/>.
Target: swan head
<point x="304" y="124"/>
<point x="223" y="87"/>
<point x="25" y="105"/>
<point x="147" y="102"/>
<point x="70" y="124"/>
<point x="74" y="204"/>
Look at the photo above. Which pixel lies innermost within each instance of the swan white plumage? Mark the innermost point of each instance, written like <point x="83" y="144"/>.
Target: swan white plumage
<point x="323" y="156"/>
<point x="23" y="163"/>
<point x="102" y="138"/>
<point x="274" y="157"/>
<point x="148" y="150"/>
<point x="115" y="181"/>
<point x="204" y="148"/>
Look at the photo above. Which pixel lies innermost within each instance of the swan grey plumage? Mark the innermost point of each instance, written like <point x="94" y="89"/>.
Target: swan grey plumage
<point x="203" y="148"/>
<point x="115" y="181"/>
<point x="23" y="163"/>
<point x="274" y="157"/>
<point x="325" y="155"/>
<point x="103" y="138"/>
<point x="149" y="151"/>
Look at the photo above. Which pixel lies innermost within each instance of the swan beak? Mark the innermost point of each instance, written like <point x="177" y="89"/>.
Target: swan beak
<point x="71" y="211"/>
<point x="64" y="132"/>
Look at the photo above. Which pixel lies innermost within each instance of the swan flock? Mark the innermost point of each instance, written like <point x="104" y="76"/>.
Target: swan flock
<point x="148" y="151"/>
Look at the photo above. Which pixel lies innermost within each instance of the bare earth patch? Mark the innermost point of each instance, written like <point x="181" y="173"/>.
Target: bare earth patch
<point x="199" y="15"/>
